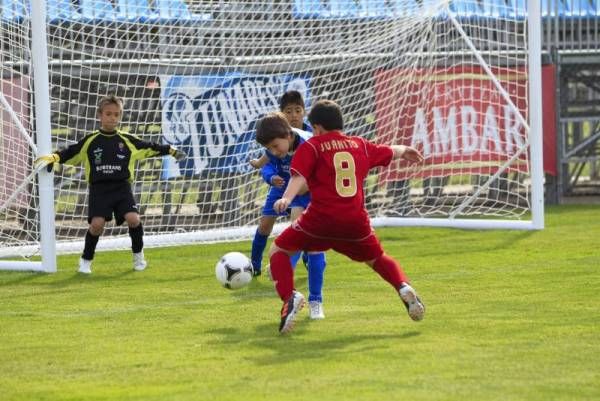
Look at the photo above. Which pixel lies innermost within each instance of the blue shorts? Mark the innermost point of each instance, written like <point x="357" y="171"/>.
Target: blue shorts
<point x="275" y="194"/>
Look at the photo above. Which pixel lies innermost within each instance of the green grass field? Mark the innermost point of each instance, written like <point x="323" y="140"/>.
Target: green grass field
<point x="510" y="316"/>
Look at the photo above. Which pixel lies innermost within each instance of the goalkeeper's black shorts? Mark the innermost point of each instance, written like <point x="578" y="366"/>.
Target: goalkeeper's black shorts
<point x="108" y="198"/>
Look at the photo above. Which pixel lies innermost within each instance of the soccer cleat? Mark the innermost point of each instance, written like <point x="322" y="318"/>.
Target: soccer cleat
<point x="85" y="266"/>
<point x="139" y="263"/>
<point x="315" y="310"/>
<point x="256" y="272"/>
<point x="414" y="306"/>
<point x="289" y="310"/>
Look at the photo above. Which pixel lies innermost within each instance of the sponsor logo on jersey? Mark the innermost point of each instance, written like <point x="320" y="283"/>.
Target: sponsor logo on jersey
<point x="97" y="155"/>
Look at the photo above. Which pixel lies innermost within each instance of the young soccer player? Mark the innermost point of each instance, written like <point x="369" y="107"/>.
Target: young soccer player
<point x="108" y="155"/>
<point x="291" y="105"/>
<point x="333" y="167"/>
<point x="280" y="145"/>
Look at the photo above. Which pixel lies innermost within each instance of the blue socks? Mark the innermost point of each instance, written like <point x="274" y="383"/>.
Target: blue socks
<point x="258" y="247"/>
<point x="316" y="268"/>
<point x="259" y="243"/>
<point x="316" y="265"/>
<point x="294" y="259"/>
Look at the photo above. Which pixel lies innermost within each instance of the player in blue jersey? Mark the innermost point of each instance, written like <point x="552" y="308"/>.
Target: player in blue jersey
<point x="275" y="163"/>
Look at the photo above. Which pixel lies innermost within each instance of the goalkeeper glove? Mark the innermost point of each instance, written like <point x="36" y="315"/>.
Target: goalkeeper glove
<point x="46" y="161"/>
<point x="177" y="154"/>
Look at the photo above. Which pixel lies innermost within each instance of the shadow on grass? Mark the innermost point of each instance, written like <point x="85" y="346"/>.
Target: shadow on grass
<point x="508" y="241"/>
<point x="92" y="278"/>
<point x="23" y="278"/>
<point x="280" y="349"/>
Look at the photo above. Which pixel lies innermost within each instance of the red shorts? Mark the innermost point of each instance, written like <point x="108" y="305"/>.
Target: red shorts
<point x="361" y="250"/>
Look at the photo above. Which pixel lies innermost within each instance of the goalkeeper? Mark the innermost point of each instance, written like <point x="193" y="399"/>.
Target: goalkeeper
<point x="108" y="156"/>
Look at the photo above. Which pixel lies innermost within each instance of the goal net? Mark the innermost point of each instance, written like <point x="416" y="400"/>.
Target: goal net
<point x="448" y="77"/>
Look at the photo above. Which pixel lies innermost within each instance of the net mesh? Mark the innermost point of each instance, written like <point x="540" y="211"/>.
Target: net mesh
<point x="447" y="77"/>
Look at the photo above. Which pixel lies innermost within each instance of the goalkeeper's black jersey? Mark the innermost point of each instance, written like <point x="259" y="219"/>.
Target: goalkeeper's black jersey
<point x="110" y="156"/>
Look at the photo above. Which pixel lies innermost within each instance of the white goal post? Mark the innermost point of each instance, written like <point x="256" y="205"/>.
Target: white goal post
<point x="458" y="79"/>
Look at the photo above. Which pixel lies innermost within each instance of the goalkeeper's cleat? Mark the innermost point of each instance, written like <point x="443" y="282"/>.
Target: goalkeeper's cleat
<point x="290" y="310"/>
<point x="85" y="266"/>
<point x="256" y="272"/>
<point x="315" y="310"/>
<point x="414" y="306"/>
<point x="139" y="263"/>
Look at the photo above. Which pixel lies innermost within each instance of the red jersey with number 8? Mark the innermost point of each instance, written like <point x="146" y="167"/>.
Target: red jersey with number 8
<point x="335" y="167"/>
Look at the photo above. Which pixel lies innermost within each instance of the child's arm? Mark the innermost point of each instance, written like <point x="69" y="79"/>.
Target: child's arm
<point x="296" y="185"/>
<point x="69" y="155"/>
<point x="407" y="153"/>
<point x="145" y="149"/>
<point x="260" y="162"/>
<point x="269" y="174"/>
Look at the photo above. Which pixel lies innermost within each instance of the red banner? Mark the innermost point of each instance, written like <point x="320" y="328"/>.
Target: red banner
<point x="456" y="117"/>
<point x="15" y="149"/>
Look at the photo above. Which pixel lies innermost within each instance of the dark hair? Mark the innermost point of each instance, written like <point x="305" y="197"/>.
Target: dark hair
<point x="273" y="125"/>
<point x="291" y="97"/>
<point x="327" y="114"/>
<point x="110" y="99"/>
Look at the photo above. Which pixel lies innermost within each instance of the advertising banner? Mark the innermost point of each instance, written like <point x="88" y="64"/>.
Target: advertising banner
<point x="457" y="118"/>
<point x="16" y="150"/>
<point x="212" y="118"/>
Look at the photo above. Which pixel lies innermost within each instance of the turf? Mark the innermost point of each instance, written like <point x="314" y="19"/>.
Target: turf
<point x="510" y="316"/>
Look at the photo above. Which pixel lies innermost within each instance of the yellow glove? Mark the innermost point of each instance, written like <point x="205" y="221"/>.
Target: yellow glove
<point x="177" y="154"/>
<point x="46" y="160"/>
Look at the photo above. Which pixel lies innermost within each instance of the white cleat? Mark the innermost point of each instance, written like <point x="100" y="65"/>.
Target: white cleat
<point x="85" y="266"/>
<point x="414" y="306"/>
<point x="139" y="263"/>
<point x="315" y="310"/>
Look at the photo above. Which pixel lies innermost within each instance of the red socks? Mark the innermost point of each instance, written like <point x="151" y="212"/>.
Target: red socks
<point x="390" y="271"/>
<point x="283" y="275"/>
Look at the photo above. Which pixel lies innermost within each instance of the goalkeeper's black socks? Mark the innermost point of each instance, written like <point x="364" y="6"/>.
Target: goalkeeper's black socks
<point x="137" y="238"/>
<point x="90" y="246"/>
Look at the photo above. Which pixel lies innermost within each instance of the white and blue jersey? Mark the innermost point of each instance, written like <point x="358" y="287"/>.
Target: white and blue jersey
<point x="281" y="167"/>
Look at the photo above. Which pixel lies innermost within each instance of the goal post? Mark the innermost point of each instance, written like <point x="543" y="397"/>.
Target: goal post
<point x="42" y="145"/>
<point x="458" y="79"/>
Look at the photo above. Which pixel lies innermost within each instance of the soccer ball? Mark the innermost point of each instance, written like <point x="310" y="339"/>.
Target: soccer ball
<point x="234" y="270"/>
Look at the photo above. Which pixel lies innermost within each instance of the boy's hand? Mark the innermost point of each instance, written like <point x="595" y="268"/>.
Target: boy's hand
<point x="46" y="161"/>
<point x="177" y="154"/>
<point x="277" y="181"/>
<point x="281" y="205"/>
<point x="255" y="163"/>
<point x="412" y="154"/>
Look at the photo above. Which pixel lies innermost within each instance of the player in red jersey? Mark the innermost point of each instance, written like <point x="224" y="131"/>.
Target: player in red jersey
<point x="333" y="166"/>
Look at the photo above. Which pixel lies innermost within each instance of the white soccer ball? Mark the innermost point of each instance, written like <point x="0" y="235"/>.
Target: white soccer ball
<point x="234" y="270"/>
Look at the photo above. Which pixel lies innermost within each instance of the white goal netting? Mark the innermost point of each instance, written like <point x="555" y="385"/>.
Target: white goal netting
<point x="449" y="77"/>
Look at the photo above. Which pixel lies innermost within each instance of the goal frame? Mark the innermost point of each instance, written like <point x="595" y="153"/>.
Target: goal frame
<point x="39" y="55"/>
<point x="48" y="246"/>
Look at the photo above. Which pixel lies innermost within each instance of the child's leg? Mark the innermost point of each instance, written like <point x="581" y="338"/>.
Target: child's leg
<point x="265" y="226"/>
<point x="282" y="272"/>
<point x="389" y="270"/>
<point x="92" y="236"/>
<point x="316" y="269"/>
<point x="136" y="231"/>
<point x="294" y="214"/>
<point x="294" y="259"/>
